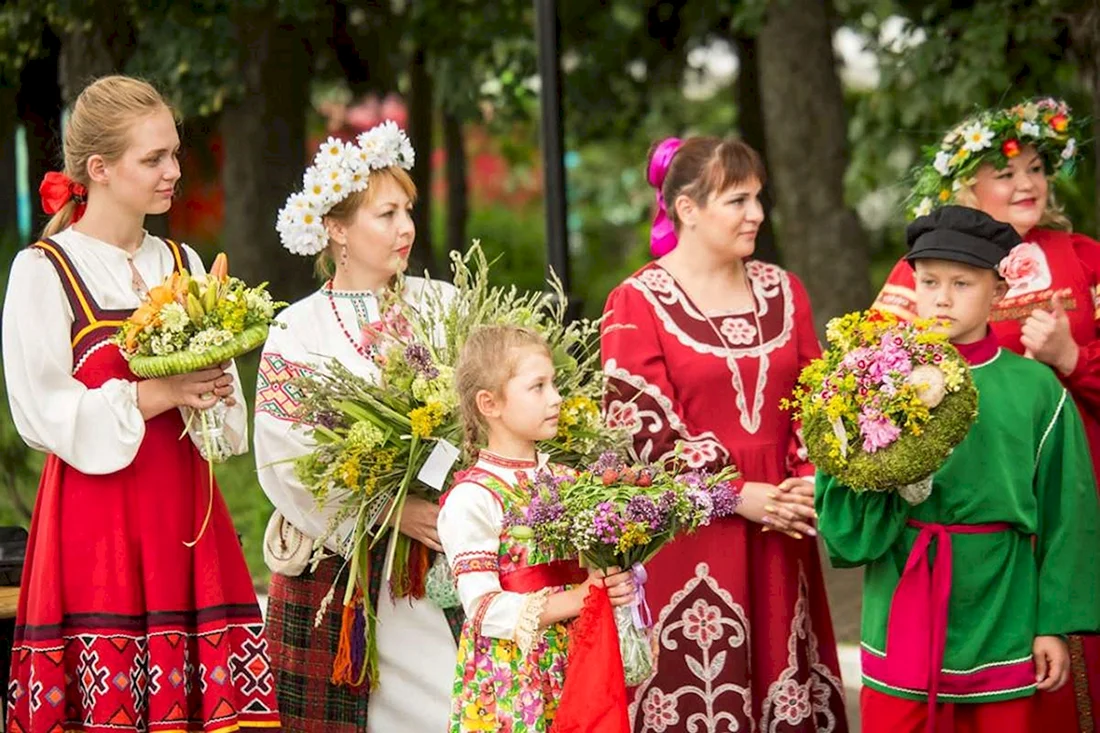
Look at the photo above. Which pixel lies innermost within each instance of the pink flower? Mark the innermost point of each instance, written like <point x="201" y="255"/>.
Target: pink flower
<point x="1021" y="265"/>
<point x="878" y="430"/>
<point x="792" y="702"/>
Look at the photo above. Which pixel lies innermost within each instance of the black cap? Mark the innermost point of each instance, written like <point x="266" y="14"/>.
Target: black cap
<point x="960" y="234"/>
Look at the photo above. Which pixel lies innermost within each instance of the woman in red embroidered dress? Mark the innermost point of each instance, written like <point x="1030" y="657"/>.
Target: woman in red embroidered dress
<point x="1051" y="312"/>
<point x="700" y="347"/>
<point x="120" y="625"/>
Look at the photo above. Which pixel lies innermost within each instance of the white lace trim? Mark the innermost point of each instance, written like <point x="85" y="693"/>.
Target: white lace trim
<point x="527" y="628"/>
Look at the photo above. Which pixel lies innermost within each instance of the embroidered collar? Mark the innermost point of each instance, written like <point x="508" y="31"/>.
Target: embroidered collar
<point x="328" y="290"/>
<point x="516" y="464"/>
<point x="981" y="352"/>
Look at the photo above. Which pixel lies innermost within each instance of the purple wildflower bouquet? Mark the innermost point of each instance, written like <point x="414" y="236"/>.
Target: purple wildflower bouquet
<point x="615" y="514"/>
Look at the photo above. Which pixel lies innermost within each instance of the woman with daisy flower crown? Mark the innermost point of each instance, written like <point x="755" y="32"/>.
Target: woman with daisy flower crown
<point x="353" y="214"/>
<point x="1002" y="161"/>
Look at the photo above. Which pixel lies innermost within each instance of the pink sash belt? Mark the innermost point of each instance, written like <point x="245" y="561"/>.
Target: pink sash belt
<point x="916" y="634"/>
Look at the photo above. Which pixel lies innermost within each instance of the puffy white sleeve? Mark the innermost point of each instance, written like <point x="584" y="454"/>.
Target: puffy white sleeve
<point x="279" y="439"/>
<point x="96" y="431"/>
<point x="236" y="419"/>
<point x="470" y="524"/>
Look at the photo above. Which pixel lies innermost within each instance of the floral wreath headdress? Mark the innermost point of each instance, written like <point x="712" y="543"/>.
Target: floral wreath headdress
<point x="339" y="170"/>
<point x="994" y="136"/>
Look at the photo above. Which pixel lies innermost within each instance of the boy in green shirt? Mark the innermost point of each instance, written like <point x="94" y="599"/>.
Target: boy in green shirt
<point x="967" y="595"/>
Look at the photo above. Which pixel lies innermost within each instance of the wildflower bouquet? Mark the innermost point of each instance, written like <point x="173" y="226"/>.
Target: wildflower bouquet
<point x="380" y="440"/>
<point x="886" y="404"/>
<point x="614" y="514"/>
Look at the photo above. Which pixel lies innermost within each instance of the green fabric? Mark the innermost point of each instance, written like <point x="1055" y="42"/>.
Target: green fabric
<point x="1025" y="462"/>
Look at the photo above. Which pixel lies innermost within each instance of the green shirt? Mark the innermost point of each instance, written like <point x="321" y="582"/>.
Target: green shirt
<point x="1026" y="463"/>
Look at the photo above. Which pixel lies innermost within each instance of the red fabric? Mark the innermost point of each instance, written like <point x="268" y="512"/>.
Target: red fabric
<point x="670" y="381"/>
<point x="122" y="627"/>
<point x="593" y="699"/>
<point x="57" y="189"/>
<point x="922" y="594"/>
<point x="1070" y="271"/>
<point x="881" y="713"/>
<point x="531" y="578"/>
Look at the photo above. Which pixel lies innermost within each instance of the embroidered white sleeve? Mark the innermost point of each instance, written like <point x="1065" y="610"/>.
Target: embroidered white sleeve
<point x="470" y="524"/>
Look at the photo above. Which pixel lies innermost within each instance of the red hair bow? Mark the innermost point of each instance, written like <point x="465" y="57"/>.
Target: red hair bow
<point x="56" y="191"/>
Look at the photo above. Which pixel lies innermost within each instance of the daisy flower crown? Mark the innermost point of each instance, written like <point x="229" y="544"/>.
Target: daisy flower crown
<point x="993" y="136"/>
<point x="339" y="170"/>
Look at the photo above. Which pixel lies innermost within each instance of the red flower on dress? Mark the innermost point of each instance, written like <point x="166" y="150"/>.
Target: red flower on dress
<point x="625" y="415"/>
<point x="659" y="711"/>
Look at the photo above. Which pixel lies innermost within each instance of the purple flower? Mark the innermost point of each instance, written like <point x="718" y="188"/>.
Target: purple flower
<point x="702" y="502"/>
<point x="878" y="430"/>
<point x="725" y="499"/>
<point x="608" y="523"/>
<point x="607" y="460"/>
<point x="643" y="509"/>
<point x="420" y="359"/>
<point x="328" y="419"/>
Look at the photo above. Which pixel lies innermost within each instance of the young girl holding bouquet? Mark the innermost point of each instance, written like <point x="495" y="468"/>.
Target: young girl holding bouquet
<point x="125" y="623"/>
<point x="512" y="654"/>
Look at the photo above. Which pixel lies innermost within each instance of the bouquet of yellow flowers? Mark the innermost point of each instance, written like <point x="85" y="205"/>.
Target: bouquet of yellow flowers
<point x="379" y="440"/>
<point x="886" y="404"/>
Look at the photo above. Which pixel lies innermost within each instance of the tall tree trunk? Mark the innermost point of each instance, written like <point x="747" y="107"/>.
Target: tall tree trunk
<point x="38" y="105"/>
<point x="264" y="141"/>
<point x="421" y="111"/>
<point x="1085" y="35"/>
<point x="9" y="122"/>
<point x="750" y="116"/>
<point x="97" y="48"/>
<point x="821" y="237"/>
<point x="458" y="204"/>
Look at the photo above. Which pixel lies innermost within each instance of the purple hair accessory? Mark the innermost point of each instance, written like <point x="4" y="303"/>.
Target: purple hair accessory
<point x="662" y="235"/>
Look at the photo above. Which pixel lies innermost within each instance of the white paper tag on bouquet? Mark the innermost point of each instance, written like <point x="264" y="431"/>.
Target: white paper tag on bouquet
<point x="440" y="460"/>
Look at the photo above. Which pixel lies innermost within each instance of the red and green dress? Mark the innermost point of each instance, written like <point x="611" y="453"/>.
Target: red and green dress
<point x="120" y="625"/>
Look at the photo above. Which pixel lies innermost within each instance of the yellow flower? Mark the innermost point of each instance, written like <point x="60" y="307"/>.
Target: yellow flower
<point x="634" y="535"/>
<point x="945" y="194"/>
<point x="960" y="157"/>
<point x="426" y="419"/>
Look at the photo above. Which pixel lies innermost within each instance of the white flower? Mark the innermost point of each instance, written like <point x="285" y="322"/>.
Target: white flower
<point x="1030" y="129"/>
<point x="174" y="317"/>
<point x="331" y="154"/>
<point x="209" y="338"/>
<point x="338" y="181"/>
<point x="942" y="163"/>
<point x="950" y="138"/>
<point x="386" y="145"/>
<point x="924" y="208"/>
<point x="977" y="137"/>
<point x="1070" y="149"/>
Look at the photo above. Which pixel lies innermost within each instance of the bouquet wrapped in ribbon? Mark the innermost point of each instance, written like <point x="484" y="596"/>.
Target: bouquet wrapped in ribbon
<point x="616" y="515"/>
<point x="380" y="440"/>
<point x="190" y="323"/>
<point x="886" y="404"/>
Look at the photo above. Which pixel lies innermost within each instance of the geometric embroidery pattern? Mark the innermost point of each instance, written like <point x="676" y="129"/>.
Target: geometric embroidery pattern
<point x="275" y="393"/>
<point x="470" y="562"/>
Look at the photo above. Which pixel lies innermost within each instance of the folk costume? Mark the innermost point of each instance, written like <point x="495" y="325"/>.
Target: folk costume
<point x="1049" y="265"/>
<point x="957" y="587"/>
<point x="711" y="383"/>
<point x="415" y="639"/>
<point x="510" y="674"/>
<point x="120" y="626"/>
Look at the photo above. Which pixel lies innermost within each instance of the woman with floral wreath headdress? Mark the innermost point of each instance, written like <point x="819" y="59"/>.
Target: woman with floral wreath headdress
<point x="126" y="621"/>
<point x="1003" y="161"/>
<point x="354" y="214"/>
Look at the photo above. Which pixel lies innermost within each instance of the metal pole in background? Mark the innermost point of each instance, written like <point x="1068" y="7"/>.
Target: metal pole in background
<point x="551" y="129"/>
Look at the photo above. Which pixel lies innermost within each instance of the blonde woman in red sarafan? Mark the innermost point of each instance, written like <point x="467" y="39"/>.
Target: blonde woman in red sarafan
<point x="700" y="346"/>
<point x="125" y="621"/>
<point x="1003" y="162"/>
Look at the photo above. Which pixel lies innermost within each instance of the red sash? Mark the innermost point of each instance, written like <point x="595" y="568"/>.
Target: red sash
<point x="548" y="575"/>
<point x="920" y="604"/>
